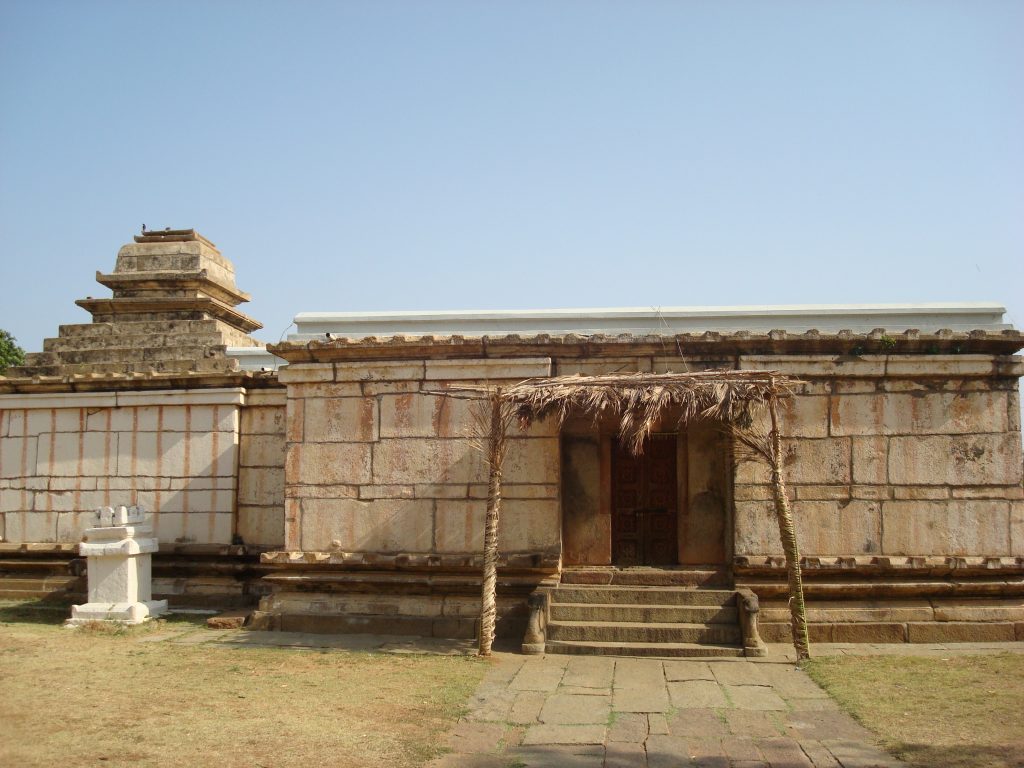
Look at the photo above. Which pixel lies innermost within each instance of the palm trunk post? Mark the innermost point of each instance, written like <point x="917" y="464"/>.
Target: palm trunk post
<point x="495" y="456"/>
<point x="787" y="531"/>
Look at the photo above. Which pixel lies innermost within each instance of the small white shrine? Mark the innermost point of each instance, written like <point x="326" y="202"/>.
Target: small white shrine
<point x="119" y="549"/>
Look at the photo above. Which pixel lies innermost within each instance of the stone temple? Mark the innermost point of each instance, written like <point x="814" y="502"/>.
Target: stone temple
<point x="326" y="483"/>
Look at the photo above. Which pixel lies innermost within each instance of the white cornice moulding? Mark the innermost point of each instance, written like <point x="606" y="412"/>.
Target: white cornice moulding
<point x="222" y="396"/>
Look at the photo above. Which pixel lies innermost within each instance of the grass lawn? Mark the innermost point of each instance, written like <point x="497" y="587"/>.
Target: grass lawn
<point x="950" y="712"/>
<point x="101" y="697"/>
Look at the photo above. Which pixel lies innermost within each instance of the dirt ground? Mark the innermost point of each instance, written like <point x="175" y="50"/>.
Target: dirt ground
<point x="952" y="712"/>
<point x="129" y="697"/>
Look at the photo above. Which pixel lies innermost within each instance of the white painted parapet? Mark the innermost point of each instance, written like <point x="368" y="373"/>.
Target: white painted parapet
<point x="119" y="550"/>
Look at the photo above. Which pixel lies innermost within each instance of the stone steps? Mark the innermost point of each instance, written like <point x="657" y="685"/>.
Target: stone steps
<point x="643" y="621"/>
<point x="645" y="614"/>
<point x="697" y="576"/>
<point x="642" y="632"/>
<point x="645" y="596"/>
<point x="686" y="650"/>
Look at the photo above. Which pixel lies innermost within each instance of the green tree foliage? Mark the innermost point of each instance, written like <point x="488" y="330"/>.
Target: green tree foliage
<point x="10" y="353"/>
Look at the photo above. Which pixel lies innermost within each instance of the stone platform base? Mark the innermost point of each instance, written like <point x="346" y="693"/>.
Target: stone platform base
<point x="428" y="603"/>
<point x="186" y="576"/>
<point x="122" y="613"/>
<point x="900" y="621"/>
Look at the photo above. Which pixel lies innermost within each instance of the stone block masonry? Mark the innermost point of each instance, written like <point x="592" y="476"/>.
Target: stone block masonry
<point x="901" y="457"/>
<point x="379" y="461"/>
<point x="172" y="452"/>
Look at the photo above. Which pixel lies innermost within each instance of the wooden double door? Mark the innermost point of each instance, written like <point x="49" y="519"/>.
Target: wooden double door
<point x="645" y="510"/>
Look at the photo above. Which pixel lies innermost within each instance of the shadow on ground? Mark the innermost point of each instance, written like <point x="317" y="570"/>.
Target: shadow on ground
<point x="35" y="612"/>
<point x="966" y="756"/>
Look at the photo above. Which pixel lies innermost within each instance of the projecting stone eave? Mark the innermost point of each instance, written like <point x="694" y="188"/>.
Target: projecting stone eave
<point x="198" y="281"/>
<point x="846" y="344"/>
<point x="109" y="382"/>
<point x="101" y="309"/>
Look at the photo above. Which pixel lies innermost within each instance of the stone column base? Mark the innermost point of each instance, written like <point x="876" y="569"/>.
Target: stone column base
<point x="122" y="613"/>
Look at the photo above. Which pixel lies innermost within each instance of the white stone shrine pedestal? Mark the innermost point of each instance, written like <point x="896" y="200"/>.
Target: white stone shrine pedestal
<point x="119" y="558"/>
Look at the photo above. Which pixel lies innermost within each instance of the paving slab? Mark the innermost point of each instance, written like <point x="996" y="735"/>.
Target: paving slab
<point x="784" y="752"/>
<point x="629" y="727"/>
<point x="558" y="756"/>
<point x="542" y="712"/>
<point x="546" y="733"/>
<point x="745" y="722"/>
<point x="577" y="691"/>
<point x="857" y="754"/>
<point x="704" y="723"/>
<point x="820" y="755"/>
<point x="568" y="709"/>
<point x="824" y="725"/>
<point x="623" y="754"/>
<point x="676" y="670"/>
<point x="657" y="723"/>
<point x="638" y="673"/>
<point x="760" y="697"/>
<point x="473" y="737"/>
<point x="491" y="707"/>
<point x="589" y="672"/>
<point x="526" y="707"/>
<point x="537" y="677"/>
<point x="667" y="751"/>
<point x="741" y="748"/>
<point x="740" y="673"/>
<point x="650" y="699"/>
<point x="697" y="694"/>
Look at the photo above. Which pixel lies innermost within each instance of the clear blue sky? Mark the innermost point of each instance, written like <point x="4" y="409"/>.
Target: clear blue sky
<point x="443" y="155"/>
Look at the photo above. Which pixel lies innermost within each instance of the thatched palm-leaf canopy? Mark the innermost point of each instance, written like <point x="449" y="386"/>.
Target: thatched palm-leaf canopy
<point x="640" y="400"/>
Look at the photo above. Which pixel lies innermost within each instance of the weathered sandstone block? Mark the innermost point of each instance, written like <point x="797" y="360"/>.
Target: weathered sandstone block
<point x="817" y="461"/>
<point x="262" y="451"/>
<point x="340" y="419"/>
<point x="953" y="527"/>
<point x="403" y="370"/>
<point x="383" y="525"/>
<point x="919" y="413"/>
<point x="328" y="464"/>
<point x="261" y="526"/>
<point x="529" y="526"/>
<point x="18" y="456"/>
<point x="261" y="486"/>
<point x="955" y="460"/>
<point x="489" y="368"/>
<point x="426" y="460"/>
<point x="870" y="460"/>
<point x="263" y="421"/>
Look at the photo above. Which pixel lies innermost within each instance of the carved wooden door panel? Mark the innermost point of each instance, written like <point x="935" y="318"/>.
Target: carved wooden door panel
<point x="644" y="499"/>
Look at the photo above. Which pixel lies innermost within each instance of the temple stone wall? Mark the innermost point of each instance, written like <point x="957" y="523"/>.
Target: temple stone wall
<point x="893" y="455"/>
<point x="261" y="469"/>
<point x="175" y="453"/>
<point x="379" y="461"/>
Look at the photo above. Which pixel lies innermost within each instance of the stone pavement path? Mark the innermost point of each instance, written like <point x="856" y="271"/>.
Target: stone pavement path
<point x="603" y="712"/>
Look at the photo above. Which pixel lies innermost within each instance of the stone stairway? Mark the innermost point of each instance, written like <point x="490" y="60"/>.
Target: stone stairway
<point x="625" y="620"/>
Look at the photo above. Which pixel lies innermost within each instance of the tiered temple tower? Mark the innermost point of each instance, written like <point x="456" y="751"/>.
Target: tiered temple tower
<point x="173" y="311"/>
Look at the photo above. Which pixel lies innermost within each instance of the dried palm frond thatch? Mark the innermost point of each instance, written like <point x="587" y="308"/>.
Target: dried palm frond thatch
<point x="641" y="400"/>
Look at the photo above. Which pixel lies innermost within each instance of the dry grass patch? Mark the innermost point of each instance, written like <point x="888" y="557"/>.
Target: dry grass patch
<point x="105" y="697"/>
<point x="952" y="712"/>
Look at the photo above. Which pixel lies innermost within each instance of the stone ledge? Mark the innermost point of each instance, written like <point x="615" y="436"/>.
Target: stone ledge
<point x="539" y="561"/>
<point x="933" y="564"/>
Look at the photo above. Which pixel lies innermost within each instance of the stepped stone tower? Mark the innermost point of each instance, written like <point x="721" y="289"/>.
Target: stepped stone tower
<point x="173" y="311"/>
